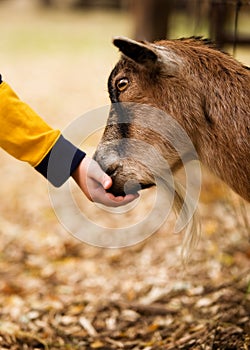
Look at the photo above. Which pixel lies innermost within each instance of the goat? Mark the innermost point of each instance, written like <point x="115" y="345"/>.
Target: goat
<point x="204" y="90"/>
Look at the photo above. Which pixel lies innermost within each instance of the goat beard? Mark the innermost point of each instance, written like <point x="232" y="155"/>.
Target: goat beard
<point x="183" y="205"/>
<point x="170" y="187"/>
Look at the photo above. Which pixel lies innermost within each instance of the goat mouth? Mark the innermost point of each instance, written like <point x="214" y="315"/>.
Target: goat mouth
<point x="130" y="187"/>
<point x="145" y="186"/>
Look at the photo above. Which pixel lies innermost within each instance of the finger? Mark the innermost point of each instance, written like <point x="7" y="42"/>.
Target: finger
<point x="125" y="200"/>
<point x="107" y="182"/>
<point x="112" y="201"/>
<point x="99" y="175"/>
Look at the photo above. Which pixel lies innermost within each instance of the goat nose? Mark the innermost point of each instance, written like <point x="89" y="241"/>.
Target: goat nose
<point x="120" y="188"/>
<point x="122" y="184"/>
<point x="111" y="171"/>
<point x="114" y="168"/>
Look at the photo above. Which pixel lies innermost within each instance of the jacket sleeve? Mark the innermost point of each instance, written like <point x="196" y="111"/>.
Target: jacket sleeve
<point x="27" y="137"/>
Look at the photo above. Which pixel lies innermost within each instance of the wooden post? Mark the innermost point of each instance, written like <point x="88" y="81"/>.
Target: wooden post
<point x="151" y="19"/>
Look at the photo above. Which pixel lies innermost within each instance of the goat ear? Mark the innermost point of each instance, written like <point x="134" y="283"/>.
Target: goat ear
<point x="137" y="51"/>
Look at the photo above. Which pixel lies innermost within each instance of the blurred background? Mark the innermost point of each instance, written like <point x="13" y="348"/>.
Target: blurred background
<point x="57" y="56"/>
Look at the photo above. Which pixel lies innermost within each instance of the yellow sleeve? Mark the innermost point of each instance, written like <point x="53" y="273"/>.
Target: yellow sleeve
<point x="23" y="134"/>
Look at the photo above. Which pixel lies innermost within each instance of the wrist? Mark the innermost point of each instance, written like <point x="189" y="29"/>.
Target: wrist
<point x="61" y="162"/>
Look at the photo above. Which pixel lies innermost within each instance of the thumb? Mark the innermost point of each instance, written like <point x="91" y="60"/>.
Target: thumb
<point x="107" y="181"/>
<point x="100" y="176"/>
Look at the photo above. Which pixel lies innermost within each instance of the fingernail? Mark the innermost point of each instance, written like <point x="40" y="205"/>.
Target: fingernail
<point x="106" y="184"/>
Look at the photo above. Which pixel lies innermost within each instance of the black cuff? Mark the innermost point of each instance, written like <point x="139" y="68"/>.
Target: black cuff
<point x="0" y="79"/>
<point x="60" y="162"/>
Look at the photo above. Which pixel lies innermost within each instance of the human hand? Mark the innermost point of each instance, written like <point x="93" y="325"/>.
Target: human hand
<point x="94" y="182"/>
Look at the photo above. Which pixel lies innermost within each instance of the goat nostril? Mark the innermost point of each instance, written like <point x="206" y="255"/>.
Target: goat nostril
<point x="114" y="169"/>
<point x="111" y="172"/>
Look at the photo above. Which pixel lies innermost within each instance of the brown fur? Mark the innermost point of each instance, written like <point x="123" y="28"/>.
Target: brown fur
<point x="205" y="90"/>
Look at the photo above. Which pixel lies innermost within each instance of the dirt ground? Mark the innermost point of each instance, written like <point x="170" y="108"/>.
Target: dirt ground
<point x="59" y="293"/>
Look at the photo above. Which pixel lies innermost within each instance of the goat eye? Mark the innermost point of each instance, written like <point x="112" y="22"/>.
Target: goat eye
<point x="122" y="84"/>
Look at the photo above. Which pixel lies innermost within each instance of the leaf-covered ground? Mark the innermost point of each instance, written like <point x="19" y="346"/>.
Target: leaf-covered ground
<point x="59" y="293"/>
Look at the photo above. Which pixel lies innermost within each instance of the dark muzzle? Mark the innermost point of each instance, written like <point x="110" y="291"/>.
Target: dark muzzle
<point x="126" y="180"/>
